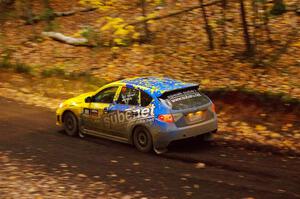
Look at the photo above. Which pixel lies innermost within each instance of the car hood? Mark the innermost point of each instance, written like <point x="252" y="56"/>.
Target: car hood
<point x="78" y="99"/>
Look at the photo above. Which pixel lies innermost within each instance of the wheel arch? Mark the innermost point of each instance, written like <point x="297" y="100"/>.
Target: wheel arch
<point x="65" y="112"/>
<point x="133" y="129"/>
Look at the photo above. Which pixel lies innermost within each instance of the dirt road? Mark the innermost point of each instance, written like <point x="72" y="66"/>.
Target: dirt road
<point x="189" y="170"/>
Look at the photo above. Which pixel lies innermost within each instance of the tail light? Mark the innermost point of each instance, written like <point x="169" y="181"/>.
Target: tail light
<point x="166" y="118"/>
<point x="213" y="107"/>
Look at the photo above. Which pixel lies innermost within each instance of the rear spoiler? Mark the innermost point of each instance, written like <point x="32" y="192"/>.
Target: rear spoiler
<point x="191" y="87"/>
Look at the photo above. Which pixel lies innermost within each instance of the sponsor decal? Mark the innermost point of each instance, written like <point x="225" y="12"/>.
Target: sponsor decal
<point x="94" y="112"/>
<point x="86" y="111"/>
<point x="119" y="118"/>
<point x="91" y="112"/>
<point x="127" y="97"/>
<point x="184" y="95"/>
<point x="129" y="116"/>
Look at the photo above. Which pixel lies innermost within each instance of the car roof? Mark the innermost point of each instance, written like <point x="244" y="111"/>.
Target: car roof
<point x="156" y="85"/>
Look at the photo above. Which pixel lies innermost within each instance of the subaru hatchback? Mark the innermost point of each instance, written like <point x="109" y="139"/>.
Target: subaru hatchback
<point x="148" y="112"/>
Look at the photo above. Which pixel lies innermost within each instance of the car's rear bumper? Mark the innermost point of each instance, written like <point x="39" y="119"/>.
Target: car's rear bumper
<point x="162" y="139"/>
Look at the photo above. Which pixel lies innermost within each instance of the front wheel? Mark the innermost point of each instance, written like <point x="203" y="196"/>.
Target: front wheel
<point x="142" y="139"/>
<point x="70" y="124"/>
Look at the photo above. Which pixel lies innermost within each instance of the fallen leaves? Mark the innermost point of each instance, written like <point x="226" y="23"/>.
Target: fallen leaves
<point x="205" y="81"/>
<point x="200" y="165"/>
<point x="260" y="128"/>
<point x="136" y="164"/>
<point x="32" y="181"/>
<point x="243" y="131"/>
<point x="81" y="175"/>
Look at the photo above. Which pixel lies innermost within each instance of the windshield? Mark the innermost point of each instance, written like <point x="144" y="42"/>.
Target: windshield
<point x="184" y="99"/>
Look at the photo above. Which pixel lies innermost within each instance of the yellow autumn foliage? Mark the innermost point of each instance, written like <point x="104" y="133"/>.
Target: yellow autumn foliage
<point x="120" y="32"/>
<point x="260" y="128"/>
<point x="100" y="4"/>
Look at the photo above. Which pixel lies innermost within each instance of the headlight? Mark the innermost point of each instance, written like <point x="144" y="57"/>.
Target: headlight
<point x="61" y="105"/>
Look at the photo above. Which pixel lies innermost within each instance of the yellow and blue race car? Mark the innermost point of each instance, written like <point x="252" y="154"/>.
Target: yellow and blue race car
<point x="148" y="112"/>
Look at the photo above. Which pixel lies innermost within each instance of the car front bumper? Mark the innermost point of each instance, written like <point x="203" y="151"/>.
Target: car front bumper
<point x="58" y="120"/>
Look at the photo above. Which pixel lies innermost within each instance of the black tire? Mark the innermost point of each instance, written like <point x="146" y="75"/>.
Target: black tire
<point x="70" y="124"/>
<point x="142" y="139"/>
<point x="208" y="137"/>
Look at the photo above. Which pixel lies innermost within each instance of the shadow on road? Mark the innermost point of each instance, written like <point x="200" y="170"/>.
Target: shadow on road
<point x="190" y="145"/>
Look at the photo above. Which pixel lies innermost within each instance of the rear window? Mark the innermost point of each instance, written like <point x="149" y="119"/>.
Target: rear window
<point x="184" y="99"/>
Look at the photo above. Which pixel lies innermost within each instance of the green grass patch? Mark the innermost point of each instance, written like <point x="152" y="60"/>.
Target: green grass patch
<point x="81" y="75"/>
<point x="58" y="72"/>
<point x="5" y="65"/>
<point x="18" y="67"/>
<point x="22" y="68"/>
<point x="5" y="62"/>
<point x="267" y="98"/>
<point x="87" y="77"/>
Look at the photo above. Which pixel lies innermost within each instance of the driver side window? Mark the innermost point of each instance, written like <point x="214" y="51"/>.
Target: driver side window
<point x="106" y="96"/>
<point x="129" y="96"/>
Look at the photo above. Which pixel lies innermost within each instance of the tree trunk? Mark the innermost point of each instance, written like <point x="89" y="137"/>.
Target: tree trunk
<point x="254" y="22"/>
<point x="207" y="26"/>
<point x="224" y="30"/>
<point x="48" y="14"/>
<point x="266" y="22"/>
<point x="247" y="38"/>
<point x="7" y="2"/>
<point x="26" y="11"/>
<point x="176" y="13"/>
<point x="5" y="7"/>
<point x="145" y="24"/>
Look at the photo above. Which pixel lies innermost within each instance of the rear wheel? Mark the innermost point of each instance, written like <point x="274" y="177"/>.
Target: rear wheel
<point x="208" y="137"/>
<point x="142" y="139"/>
<point x="70" y="124"/>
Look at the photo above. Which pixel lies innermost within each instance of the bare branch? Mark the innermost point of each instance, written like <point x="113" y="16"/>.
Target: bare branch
<point x="39" y="18"/>
<point x="72" y="12"/>
<point x="175" y="13"/>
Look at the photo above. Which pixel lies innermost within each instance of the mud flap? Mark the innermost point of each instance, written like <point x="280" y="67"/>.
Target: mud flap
<point x="80" y="129"/>
<point x="159" y="151"/>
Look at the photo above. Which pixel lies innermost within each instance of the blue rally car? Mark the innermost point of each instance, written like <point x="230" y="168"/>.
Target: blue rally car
<point x="148" y="112"/>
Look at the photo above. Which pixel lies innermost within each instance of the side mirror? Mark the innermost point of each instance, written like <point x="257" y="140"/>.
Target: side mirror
<point x="88" y="100"/>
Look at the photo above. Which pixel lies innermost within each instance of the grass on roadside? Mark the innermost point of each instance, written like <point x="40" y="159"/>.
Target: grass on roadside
<point x="22" y="68"/>
<point x="267" y="98"/>
<point x="88" y="78"/>
<point x="51" y="72"/>
<point x="18" y="67"/>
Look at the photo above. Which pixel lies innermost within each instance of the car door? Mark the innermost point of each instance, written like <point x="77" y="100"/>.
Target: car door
<point x="122" y="111"/>
<point x="95" y="118"/>
<point x="130" y="111"/>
